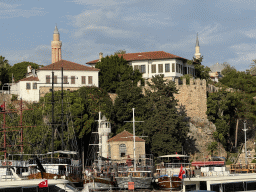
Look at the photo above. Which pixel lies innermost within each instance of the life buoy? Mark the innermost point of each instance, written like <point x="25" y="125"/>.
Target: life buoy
<point x="4" y="163"/>
<point x="9" y="163"/>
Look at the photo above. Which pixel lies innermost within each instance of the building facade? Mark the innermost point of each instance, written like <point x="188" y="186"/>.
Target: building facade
<point x="38" y="83"/>
<point x="121" y="147"/>
<point x="158" y="62"/>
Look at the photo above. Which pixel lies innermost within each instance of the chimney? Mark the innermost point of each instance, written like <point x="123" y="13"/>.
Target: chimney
<point x="100" y="55"/>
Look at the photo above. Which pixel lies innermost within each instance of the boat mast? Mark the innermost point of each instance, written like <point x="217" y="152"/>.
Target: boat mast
<point x="134" y="147"/>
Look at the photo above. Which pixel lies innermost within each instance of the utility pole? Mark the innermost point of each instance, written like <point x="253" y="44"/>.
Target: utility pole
<point x="245" y="141"/>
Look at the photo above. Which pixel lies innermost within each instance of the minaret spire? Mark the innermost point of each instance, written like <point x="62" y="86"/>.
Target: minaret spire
<point x="56" y="46"/>
<point x="197" y="48"/>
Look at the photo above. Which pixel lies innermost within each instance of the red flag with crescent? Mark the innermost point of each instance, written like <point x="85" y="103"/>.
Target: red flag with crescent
<point x="43" y="184"/>
<point x="181" y="172"/>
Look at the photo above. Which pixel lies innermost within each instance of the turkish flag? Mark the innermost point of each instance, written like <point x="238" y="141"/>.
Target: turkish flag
<point x="181" y="172"/>
<point x="43" y="184"/>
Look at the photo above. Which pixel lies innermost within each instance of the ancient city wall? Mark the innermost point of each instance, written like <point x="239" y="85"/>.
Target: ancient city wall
<point x="193" y="97"/>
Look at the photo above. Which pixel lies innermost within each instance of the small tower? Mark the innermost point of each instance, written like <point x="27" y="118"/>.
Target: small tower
<point x="56" y="46"/>
<point x="104" y="129"/>
<point x="197" y="53"/>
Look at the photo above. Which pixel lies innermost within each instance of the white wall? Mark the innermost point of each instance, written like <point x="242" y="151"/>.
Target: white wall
<point x="29" y="94"/>
<point x="78" y="82"/>
<point x="148" y="63"/>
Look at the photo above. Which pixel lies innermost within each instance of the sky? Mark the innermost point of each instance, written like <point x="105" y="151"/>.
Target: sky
<point x="225" y="28"/>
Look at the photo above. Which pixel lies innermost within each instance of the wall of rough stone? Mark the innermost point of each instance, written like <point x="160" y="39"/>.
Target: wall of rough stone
<point x="193" y="97"/>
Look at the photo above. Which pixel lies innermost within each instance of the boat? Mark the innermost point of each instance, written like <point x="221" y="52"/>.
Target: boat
<point x="100" y="175"/>
<point x="14" y="176"/>
<point x="136" y="173"/>
<point x="168" y="170"/>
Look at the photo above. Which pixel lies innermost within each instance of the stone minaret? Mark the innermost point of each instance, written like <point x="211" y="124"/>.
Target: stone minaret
<point x="56" y="46"/>
<point x="197" y="53"/>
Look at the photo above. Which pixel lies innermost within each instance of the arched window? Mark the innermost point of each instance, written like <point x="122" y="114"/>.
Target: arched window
<point x="122" y="150"/>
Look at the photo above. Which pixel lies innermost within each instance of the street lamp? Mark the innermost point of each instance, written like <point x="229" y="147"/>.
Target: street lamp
<point x="245" y="141"/>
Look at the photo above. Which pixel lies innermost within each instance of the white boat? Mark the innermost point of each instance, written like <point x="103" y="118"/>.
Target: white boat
<point x="14" y="175"/>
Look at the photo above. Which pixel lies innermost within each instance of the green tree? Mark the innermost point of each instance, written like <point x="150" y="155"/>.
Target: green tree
<point x="201" y="71"/>
<point x="227" y="69"/>
<point x="114" y="70"/>
<point x="121" y="51"/>
<point x="129" y="96"/>
<point x="164" y="125"/>
<point x="19" y="70"/>
<point x="4" y="68"/>
<point x="212" y="147"/>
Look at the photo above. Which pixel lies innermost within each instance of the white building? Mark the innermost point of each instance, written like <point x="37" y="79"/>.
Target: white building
<point x="38" y="83"/>
<point x="158" y="62"/>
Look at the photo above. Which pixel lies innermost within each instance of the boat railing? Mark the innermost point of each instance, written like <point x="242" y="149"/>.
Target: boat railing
<point x="56" y="161"/>
<point x="16" y="163"/>
<point x="171" y="165"/>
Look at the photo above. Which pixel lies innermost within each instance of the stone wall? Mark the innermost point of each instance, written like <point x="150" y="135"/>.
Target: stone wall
<point x="193" y="97"/>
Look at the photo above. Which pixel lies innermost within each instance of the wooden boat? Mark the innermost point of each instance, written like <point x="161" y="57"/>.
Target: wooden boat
<point x="167" y="171"/>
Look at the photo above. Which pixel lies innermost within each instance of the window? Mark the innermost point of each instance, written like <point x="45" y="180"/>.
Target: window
<point x="89" y="79"/>
<point x="177" y="67"/>
<point x="185" y="70"/>
<point x="65" y="79"/>
<point x="55" y="79"/>
<point x="48" y="79"/>
<point x="73" y="81"/>
<point x="83" y="80"/>
<point x="153" y="68"/>
<point x="167" y="67"/>
<point x="143" y="69"/>
<point x="173" y="67"/>
<point x="122" y="150"/>
<point x="136" y="67"/>
<point x="160" y="68"/>
<point x="27" y="85"/>
<point x="34" y="85"/>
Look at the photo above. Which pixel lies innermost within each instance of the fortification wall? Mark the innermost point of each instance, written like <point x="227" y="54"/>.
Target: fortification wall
<point x="193" y="97"/>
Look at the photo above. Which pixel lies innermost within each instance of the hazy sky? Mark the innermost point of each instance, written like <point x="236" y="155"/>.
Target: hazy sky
<point x="226" y="29"/>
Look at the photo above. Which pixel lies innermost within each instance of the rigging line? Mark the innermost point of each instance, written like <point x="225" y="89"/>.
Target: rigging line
<point x="74" y="139"/>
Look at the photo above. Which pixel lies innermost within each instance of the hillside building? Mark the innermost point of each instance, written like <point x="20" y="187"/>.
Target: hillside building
<point x="158" y="62"/>
<point x="38" y="83"/>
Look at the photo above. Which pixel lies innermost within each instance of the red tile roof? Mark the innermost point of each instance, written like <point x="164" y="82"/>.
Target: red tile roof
<point x="125" y="136"/>
<point x="30" y="79"/>
<point x="145" y="56"/>
<point x="68" y="65"/>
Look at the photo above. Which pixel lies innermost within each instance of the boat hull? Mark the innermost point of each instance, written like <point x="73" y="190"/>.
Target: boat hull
<point x="167" y="183"/>
<point x="139" y="182"/>
<point x="99" y="183"/>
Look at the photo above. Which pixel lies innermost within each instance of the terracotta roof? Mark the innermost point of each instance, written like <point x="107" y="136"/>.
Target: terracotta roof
<point x="125" y="136"/>
<point x="144" y="56"/>
<point x="68" y="65"/>
<point x="30" y="79"/>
